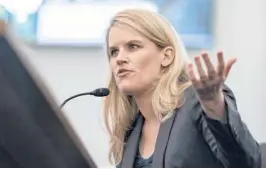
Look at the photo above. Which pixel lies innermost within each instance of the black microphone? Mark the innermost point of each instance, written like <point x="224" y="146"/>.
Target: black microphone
<point x="101" y="92"/>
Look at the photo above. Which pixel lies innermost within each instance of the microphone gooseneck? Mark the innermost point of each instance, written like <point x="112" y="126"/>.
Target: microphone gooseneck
<point x="100" y="92"/>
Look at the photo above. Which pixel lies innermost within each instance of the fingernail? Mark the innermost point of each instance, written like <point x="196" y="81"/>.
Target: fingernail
<point x="204" y="54"/>
<point x="220" y="52"/>
<point x="196" y="57"/>
<point x="190" y="65"/>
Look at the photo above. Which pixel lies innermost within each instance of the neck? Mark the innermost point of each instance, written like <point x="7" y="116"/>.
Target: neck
<point x="144" y="103"/>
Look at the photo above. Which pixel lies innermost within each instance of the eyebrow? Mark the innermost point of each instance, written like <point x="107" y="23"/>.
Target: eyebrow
<point x="129" y="42"/>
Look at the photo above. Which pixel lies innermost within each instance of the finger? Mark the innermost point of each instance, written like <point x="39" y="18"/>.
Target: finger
<point x="210" y="68"/>
<point x="228" y="66"/>
<point x="191" y="73"/>
<point x="201" y="71"/>
<point x="220" y="67"/>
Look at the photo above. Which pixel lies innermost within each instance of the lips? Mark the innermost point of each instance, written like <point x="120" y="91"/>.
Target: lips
<point x="123" y="72"/>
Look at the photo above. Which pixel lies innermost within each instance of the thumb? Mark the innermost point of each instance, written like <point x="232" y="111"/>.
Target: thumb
<point x="228" y="66"/>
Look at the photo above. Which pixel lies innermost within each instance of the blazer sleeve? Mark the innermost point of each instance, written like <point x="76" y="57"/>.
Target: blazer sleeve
<point x="231" y="142"/>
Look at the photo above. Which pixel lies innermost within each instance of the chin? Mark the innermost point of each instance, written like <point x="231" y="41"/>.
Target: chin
<point x="128" y="89"/>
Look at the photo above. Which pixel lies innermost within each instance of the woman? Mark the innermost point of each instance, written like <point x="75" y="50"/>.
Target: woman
<point x="164" y="112"/>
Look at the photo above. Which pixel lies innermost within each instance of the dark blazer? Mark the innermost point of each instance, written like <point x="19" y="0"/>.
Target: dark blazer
<point x="190" y="139"/>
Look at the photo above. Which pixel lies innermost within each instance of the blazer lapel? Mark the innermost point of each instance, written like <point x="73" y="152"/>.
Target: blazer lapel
<point x="131" y="150"/>
<point x="161" y="142"/>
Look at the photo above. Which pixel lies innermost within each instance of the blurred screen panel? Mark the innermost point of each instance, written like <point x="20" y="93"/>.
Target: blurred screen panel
<point x="24" y="26"/>
<point x="80" y="24"/>
<point x="83" y="23"/>
<point x="3" y="13"/>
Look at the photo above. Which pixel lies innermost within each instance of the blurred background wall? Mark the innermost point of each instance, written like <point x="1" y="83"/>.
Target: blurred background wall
<point x="239" y="29"/>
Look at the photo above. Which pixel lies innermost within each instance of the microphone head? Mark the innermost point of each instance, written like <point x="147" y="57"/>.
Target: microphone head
<point x="101" y="92"/>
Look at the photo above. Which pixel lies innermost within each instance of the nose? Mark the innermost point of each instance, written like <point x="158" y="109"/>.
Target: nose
<point x="121" y="58"/>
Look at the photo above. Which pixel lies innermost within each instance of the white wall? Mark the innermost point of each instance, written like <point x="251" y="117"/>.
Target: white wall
<point x="240" y="30"/>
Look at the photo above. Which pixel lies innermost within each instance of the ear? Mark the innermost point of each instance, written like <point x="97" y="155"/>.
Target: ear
<point x="168" y="56"/>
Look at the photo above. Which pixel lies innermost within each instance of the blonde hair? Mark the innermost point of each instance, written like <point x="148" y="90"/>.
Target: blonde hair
<point x="120" y="110"/>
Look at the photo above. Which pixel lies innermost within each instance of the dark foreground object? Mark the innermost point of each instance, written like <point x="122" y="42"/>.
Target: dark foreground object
<point x="33" y="130"/>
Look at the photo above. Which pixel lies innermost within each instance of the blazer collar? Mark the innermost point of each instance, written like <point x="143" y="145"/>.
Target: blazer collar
<point x="162" y="141"/>
<point x="131" y="145"/>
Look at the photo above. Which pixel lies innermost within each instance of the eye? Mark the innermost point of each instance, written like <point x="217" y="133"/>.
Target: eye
<point x="113" y="52"/>
<point x="133" y="46"/>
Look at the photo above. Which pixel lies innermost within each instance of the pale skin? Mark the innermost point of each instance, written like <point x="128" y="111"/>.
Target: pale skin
<point x="208" y="84"/>
<point x="144" y="61"/>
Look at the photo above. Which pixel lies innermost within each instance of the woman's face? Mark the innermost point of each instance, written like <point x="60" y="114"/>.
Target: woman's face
<point x="135" y="60"/>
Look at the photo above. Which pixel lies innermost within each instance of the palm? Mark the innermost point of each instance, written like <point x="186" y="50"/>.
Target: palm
<point x="208" y="84"/>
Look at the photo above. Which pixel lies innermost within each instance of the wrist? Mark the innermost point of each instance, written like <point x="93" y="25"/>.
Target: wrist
<point x="215" y="108"/>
